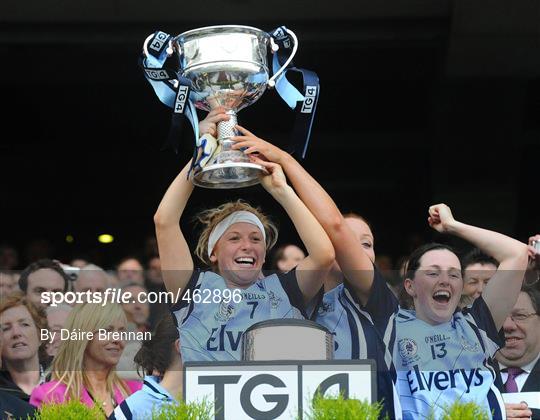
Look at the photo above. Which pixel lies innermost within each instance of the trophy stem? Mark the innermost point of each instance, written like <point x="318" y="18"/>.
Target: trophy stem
<point x="225" y="129"/>
<point x="231" y="168"/>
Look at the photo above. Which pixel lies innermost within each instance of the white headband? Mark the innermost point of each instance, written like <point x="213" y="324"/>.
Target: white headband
<point x="236" y="217"/>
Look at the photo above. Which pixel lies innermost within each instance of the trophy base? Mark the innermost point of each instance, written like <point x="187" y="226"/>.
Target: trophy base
<point x="229" y="175"/>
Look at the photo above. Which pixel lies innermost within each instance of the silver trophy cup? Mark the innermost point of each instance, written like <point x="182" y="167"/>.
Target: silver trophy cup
<point x="287" y="339"/>
<point x="227" y="66"/>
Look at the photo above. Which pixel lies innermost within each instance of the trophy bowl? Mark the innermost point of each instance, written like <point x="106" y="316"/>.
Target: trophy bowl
<point x="227" y="67"/>
<point x="287" y="339"/>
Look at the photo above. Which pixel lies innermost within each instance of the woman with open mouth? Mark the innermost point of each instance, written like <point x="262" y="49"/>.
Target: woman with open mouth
<point x="215" y="307"/>
<point x="443" y="354"/>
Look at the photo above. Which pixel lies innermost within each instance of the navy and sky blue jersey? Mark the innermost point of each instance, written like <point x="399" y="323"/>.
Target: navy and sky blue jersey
<point x="439" y="364"/>
<point x="213" y="331"/>
<point x="355" y="333"/>
<point x="140" y="404"/>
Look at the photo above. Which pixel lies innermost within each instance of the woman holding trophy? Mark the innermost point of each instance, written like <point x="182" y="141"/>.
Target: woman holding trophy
<point x="217" y="306"/>
<point x="356" y="297"/>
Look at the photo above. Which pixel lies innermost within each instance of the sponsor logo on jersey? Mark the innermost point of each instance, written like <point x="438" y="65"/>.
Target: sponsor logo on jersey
<point x="444" y="379"/>
<point x="222" y="339"/>
<point x="437" y="338"/>
<point x="225" y="312"/>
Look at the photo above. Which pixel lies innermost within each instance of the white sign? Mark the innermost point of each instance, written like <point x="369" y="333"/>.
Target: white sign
<point x="275" y="390"/>
<point x="531" y="398"/>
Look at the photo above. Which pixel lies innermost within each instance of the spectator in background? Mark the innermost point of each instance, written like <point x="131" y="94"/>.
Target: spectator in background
<point x="161" y="363"/>
<point x="79" y="262"/>
<point x="130" y="270"/>
<point x="91" y="278"/>
<point x="137" y="313"/>
<point x="10" y="406"/>
<point x="286" y="257"/>
<point x="43" y="276"/>
<point x="89" y="366"/>
<point x="8" y="284"/>
<point x="519" y="358"/>
<point x="154" y="280"/>
<point x="150" y="247"/>
<point x="478" y="268"/>
<point x="154" y="283"/>
<point x="138" y="309"/>
<point x="22" y="350"/>
<point x="112" y="280"/>
<point x="9" y="257"/>
<point x="56" y="319"/>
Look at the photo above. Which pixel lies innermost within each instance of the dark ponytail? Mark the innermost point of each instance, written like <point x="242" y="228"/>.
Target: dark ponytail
<point x="158" y="353"/>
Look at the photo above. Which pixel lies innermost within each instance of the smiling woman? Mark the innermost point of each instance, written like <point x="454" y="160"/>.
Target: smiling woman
<point x="85" y="369"/>
<point x="442" y="354"/>
<point x="234" y="243"/>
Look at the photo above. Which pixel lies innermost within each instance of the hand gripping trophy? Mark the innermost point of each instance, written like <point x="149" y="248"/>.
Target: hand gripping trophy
<point x="226" y="66"/>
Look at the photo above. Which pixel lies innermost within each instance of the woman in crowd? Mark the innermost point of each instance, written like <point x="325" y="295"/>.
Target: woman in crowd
<point x="10" y="405"/>
<point x="159" y="359"/>
<point x="354" y="291"/>
<point x="234" y="243"/>
<point x="23" y="353"/>
<point x="84" y="368"/>
<point x="478" y="268"/>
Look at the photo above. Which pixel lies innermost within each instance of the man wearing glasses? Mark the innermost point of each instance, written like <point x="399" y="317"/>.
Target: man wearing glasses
<point x="519" y="358"/>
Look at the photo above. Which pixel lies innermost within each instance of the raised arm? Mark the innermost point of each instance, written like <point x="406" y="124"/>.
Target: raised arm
<point x="174" y="253"/>
<point x="176" y="261"/>
<point x="503" y="288"/>
<point x="311" y="271"/>
<point x="353" y="261"/>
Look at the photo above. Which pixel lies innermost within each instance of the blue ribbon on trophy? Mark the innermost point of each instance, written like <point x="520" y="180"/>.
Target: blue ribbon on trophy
<point x="304" y="104"/>
<point x="226" y="66"/>
<point x="171" y="89"/>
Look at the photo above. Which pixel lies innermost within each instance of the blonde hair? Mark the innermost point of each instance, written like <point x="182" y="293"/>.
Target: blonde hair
<point x="68" y="365"/>
<point x="211" y="217"/>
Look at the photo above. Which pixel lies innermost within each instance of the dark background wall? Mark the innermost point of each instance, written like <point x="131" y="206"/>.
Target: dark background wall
<point x="421" y="102"/>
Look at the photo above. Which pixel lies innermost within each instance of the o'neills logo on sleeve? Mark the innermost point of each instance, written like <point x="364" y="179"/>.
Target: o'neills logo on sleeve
<point x="444" y="379"/>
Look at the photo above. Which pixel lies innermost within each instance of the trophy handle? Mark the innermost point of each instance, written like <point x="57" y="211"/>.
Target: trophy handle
<point x="272" y="80"/>
<point x="170" y="47"/>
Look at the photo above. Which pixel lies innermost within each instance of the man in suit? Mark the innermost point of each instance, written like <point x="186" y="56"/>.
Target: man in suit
<point x="519" y="359"/>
